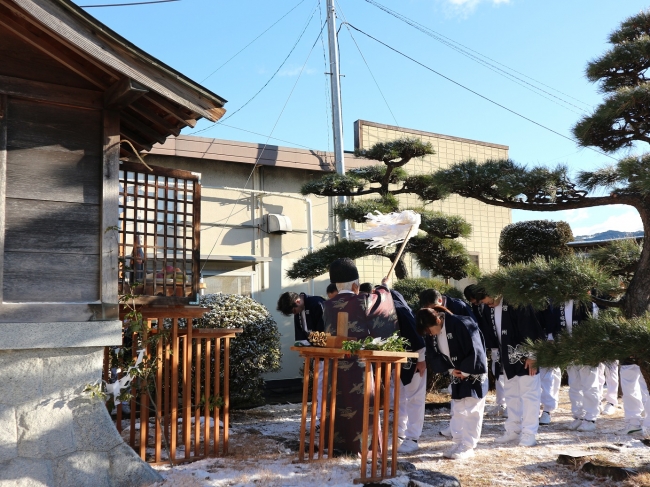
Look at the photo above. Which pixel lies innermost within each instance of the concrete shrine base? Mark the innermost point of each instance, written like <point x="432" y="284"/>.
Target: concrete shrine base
<point x="54" y="434"/>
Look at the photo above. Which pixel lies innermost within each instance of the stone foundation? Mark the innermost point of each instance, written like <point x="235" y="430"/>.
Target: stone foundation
<point x="54" y="434"/>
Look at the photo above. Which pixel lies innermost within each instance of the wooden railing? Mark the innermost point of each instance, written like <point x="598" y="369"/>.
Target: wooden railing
<point x="190" y="386"/>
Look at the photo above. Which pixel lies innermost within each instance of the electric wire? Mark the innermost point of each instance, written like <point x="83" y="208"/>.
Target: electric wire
<point x="251" y="42"/>
<point x="464" y="51"/>
<point x="345" y="22"/>
<point x="320" y="33"/>
<point x="265" y="84"/>
<point x="273" y="138"/>
<point x="128" y="4"/>
<point x="475" y="92"/>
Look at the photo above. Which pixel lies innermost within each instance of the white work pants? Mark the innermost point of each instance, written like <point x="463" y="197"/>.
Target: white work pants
<point x="608" y="382"/>
<point x="583" y="392"/>
<point x="635" y="395"/>
<point x="550" y="378"/>
<point x="522" y="400"/>
<point x="411" y="407"/>
<point x="467" y="421"/>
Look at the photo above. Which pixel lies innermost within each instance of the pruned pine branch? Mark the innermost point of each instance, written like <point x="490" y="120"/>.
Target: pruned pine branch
<point x="318" y="262"/>
<point x="444" y="257"/>
<point x="358" y="209"/>
<point x="620" y="258"/>
<point x="397" y="153"/>
<point x="557" y="280"/>
<point x="440" y="225"/>
<point x="608" y="338"/>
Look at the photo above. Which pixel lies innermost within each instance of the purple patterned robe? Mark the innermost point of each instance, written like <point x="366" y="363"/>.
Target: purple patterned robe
<point x="368" y="315"/>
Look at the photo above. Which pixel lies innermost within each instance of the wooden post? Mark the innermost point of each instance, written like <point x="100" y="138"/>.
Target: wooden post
<point x="303" y="418"/>
<point x="342" y="324"/>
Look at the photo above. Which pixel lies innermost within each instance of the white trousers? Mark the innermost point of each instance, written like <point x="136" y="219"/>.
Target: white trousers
<point x="583" y="392"/>
<point x="411" y="407"/>
<point x="608" y="382"/>
<point x="550" y="378"/>
<point x="522" y="400"/>
<point x="467" y="421"/>
<point x="635" y="396"/>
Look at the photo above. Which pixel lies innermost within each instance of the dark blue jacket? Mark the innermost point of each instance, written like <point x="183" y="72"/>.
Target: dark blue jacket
<point x="314" y="314"/>
<point x="556" y="321"/>
<point x="407" y="330"/>
<point x="517" y="325"/>
<point x="466" y="353"/>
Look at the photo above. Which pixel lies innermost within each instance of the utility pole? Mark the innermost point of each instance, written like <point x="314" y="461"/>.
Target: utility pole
<point x="337" y="117"/>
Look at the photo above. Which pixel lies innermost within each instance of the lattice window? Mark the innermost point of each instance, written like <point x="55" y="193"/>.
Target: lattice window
<point x="159" y="228"/>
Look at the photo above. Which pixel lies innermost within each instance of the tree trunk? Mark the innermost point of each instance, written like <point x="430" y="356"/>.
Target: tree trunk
<point x="637" y="297"/>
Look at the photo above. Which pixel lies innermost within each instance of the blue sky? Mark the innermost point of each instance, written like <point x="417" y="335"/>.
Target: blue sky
<point x="546" y="42"/>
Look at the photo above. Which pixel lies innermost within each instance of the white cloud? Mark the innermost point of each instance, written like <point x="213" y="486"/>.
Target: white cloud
<point x="628" y="221"/>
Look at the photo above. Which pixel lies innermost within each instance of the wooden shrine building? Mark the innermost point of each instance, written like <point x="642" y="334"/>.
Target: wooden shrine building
<point x="75" y="97"/>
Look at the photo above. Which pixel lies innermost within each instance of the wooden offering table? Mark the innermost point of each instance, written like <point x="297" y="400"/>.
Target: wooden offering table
<point x="380" y="361"/>
<point x="328" y="355"/>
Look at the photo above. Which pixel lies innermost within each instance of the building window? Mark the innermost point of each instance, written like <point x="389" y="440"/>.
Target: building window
<point x="230" y="283"/>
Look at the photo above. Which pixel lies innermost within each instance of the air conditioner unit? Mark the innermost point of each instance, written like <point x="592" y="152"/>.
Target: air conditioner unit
<point x="276" y="223"/>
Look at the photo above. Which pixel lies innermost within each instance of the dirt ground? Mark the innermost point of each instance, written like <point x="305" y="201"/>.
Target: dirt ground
<point x="264" y="445"/>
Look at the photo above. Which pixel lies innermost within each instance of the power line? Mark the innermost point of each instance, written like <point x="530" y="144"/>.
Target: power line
<point x="128" y="4"/>
<point x="474" y="92"/>
<point x="264" y="135"/>
<point x="269" y="80"/>
<point x="251" y="42"/>
<point x="320" y="33"/>
<point x="464" y="51"/>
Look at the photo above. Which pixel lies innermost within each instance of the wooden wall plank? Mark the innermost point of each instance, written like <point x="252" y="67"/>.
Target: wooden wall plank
<point x="22" y="60"/>
<point x="46" y="226"/>
<point x="44" y="277"/>
<point x="54" y="175"/>
<point x="59" y="94"/>
<point x="3" y="180"/>
<point x="33" y="124"/>
<point x="110" y="207"/>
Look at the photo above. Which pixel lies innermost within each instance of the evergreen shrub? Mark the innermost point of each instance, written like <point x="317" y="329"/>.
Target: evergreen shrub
<point x="520" y="242"/>
<point x="254" y="352"/>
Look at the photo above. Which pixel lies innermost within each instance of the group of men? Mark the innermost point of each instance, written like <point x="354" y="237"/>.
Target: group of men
<point x="455" y="337"/>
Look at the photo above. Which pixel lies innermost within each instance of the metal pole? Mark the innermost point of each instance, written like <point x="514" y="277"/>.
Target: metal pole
<point x="337" y="117"/>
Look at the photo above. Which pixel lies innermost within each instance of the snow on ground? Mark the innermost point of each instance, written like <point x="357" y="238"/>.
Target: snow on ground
<point x="264" y="444"/>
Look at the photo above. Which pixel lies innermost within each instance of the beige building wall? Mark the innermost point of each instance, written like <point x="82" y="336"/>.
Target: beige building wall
<point x="487" y="221"/>
<point x="237" y="253"/>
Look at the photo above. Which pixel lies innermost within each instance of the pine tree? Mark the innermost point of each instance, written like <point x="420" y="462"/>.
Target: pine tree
<point x="622" y="120"/>
<point x="435" y="248"/>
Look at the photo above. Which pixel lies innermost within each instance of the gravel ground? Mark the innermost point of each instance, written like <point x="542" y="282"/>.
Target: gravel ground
<point x="264" y="445"/>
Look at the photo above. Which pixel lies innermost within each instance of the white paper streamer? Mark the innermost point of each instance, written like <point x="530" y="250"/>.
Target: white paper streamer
<point x="389" y="229"/>
<point x="116" y="387"/>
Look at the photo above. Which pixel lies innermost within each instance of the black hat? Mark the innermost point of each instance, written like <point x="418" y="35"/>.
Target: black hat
<point x="343" y="270"/>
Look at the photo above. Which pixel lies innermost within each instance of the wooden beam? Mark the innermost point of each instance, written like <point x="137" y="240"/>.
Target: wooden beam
<point x="49" y="46"/>
<point x="58" y="94"/>
<point x="142" y="128"/>
<point x="110" y="207"/>
<point x="216" y="113"/>
<point x="3" y="183"/>
<point x="123" y="93"/>
<point x="140" y="143"/>
<point x="174" y="110"/>
<point x="157" y="121"/>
